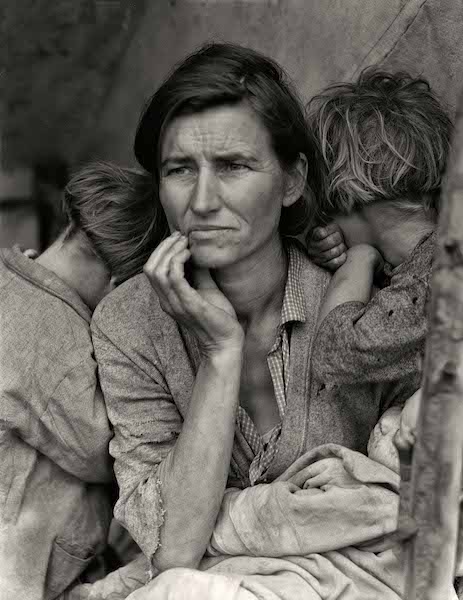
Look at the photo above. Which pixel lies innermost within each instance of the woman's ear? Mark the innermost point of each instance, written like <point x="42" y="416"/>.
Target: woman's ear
<point x="296" y="181"/>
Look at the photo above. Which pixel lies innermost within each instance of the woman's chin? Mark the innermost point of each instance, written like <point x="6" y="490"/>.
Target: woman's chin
<point x="207" y="262"/>
<point x="211" y="258"/>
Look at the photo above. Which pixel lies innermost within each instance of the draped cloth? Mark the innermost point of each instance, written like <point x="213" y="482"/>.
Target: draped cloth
<point x="284" y="540"/>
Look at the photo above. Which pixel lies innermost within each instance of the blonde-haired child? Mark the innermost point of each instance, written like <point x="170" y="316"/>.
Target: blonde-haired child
<point x="385" y="140"/>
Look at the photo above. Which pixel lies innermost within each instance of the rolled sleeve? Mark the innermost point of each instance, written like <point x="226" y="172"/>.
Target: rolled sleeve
<point x="379" y="342"/>
<point x="146" y="425"/>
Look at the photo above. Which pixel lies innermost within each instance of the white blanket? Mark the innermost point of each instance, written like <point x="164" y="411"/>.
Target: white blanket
<point x="287" y="541"/>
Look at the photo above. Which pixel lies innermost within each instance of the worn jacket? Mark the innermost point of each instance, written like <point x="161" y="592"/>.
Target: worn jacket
<point x="54" y="463"/>
<point x="383" y="340"/>
<point x="147" y="366"/>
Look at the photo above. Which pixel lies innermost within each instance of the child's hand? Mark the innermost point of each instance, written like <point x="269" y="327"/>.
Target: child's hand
<point x="326" y="247"/>
<point x="328" y="471"/>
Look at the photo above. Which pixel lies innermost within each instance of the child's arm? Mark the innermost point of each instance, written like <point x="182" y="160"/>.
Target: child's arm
<point x="353" y="281"/>
<point x="381" y="341"/>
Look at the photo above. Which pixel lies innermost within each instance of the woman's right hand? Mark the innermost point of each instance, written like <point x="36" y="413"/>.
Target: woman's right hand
<point x="204" y="310"/>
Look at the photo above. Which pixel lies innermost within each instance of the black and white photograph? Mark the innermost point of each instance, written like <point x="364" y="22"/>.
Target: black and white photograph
<point x="231" y="300"/>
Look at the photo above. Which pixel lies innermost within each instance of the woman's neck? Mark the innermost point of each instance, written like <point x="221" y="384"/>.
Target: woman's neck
<point x="256" y="286"/>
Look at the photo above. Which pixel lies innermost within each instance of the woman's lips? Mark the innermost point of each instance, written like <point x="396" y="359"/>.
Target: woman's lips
<point x="208" y="232"/>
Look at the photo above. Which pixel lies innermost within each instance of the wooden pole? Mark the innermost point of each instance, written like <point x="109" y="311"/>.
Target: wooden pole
<point x="436" y="470"/>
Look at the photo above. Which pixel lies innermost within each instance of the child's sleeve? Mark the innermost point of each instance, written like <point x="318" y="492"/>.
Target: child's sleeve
<point x="379" y="342"/>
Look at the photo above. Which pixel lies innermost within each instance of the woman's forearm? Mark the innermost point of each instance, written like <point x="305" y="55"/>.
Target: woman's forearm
<point x="194" y="475"/>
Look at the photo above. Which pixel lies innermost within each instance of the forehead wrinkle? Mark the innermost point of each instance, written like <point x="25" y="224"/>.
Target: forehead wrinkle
<point x="214" y="135"/>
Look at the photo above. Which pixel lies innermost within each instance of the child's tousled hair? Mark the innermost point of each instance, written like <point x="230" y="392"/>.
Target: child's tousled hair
<point x="384" y="137"/>
<point x="113" y="207"/>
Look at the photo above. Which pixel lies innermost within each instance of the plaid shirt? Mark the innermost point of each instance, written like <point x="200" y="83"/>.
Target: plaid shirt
<point x="293" y="309"/>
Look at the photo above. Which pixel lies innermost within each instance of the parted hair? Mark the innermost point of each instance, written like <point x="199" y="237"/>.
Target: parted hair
<point x="227" y="74"/>
<point x="384" y="137"/>
<point x="113" y="207"/>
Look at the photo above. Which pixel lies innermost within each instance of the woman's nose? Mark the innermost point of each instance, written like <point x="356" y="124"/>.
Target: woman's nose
<point x="205" y="194"/>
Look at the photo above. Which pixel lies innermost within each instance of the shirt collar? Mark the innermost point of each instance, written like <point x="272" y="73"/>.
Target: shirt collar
<point x="418" y="260"/>
<point x="293" y="308"/>
<point x="38" y="275"/>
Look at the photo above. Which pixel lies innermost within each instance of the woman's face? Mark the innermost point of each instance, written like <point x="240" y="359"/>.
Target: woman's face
<point x="221" y="184"/>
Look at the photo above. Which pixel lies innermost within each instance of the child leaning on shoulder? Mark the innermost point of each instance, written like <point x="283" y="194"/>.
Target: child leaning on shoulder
<point x="385" y="141"/>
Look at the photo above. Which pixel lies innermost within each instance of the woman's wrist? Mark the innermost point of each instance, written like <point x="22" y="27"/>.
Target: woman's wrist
<point x="225" y="353"/>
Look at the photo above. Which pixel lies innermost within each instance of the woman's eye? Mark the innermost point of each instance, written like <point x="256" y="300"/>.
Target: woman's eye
<point x="234" y="167"/>
<point x="181" y="170"/>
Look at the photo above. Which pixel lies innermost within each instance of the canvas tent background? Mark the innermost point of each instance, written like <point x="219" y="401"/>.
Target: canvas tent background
<point x="317" y="42"/>
<point x="74" y="75"/>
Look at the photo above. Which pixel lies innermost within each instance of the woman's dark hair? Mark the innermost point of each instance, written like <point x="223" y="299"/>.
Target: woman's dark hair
<point x="224" y="74"/>
<point x="113" y="208"/>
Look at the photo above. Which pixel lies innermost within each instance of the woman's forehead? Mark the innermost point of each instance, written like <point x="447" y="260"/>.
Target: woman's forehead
<point x="214" y="131"/>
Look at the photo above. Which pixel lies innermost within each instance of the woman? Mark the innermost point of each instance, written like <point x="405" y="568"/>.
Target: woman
<point x="204" y="359"/>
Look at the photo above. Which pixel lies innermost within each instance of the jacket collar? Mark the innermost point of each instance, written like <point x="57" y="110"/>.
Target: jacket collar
<point x="41" y="277"/>
<point x="313" y="281"/>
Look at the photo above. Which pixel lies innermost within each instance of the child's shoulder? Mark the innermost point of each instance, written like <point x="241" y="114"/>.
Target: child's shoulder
<point x="419" y="265"/>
